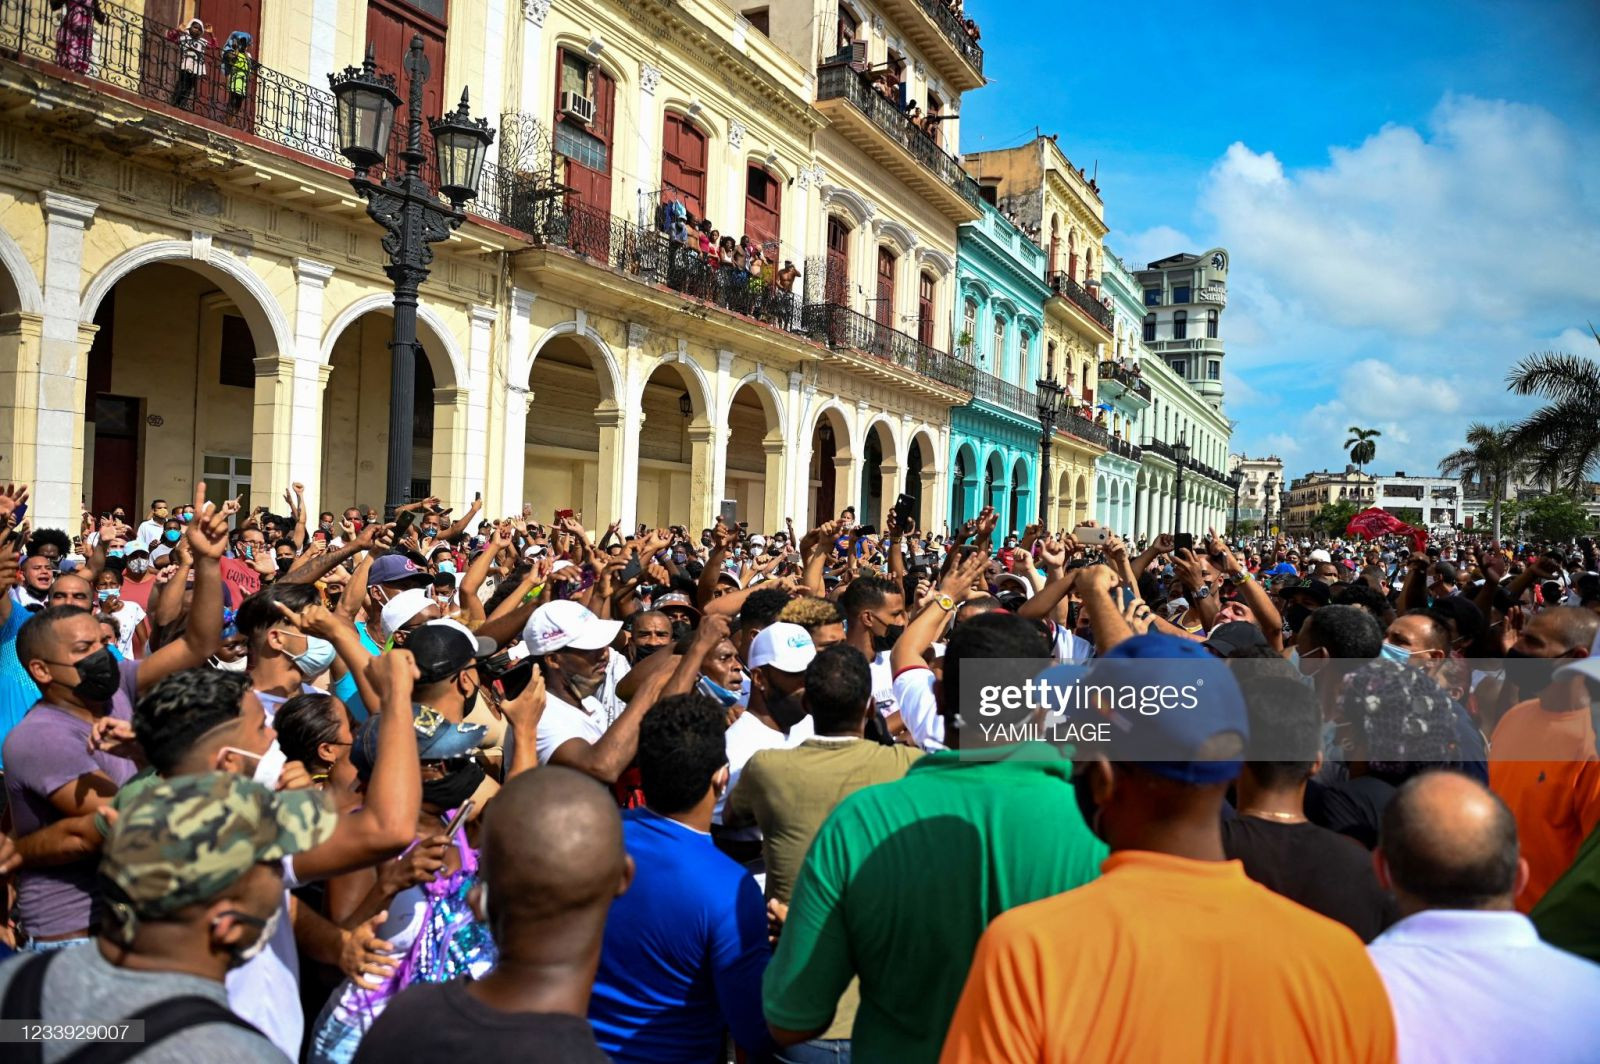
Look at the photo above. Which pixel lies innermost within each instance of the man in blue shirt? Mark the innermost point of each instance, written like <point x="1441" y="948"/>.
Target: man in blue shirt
<point x="686" y="947"/>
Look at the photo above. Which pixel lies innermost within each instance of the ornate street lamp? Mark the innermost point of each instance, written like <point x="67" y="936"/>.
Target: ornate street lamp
<point x="1049" y="395"/>
<point x="1236" y="481"/>
<point x="1269" y="491"/>
<point x="1180" y="456"/>
<point x="409" y="211"/>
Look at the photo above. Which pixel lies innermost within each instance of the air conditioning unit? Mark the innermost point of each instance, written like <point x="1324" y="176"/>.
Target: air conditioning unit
<point x="578" y="107"/>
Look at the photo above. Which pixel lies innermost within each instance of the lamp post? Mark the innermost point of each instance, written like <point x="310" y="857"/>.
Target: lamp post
<point x="1269" y="492"/>
<point x="409" y="211"/>
<point x="1049" y="394"/>
<point x="1235" y="481"/>
<point x="1180" y="456"/>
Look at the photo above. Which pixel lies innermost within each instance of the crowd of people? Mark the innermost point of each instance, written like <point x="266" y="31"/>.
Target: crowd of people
<point x="362" y="788"/>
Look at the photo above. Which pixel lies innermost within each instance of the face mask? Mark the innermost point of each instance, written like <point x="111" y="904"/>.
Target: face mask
<point x="642" y="652"/>
<point x="429" y="533"/>
<point x="1399" y="655"/>
<point x="116" y="653"/>
<point x="269" y="927"/>
<point x="139" y="566"/>
<point x="114" y="552"/>
<point x="105" y="594"/>
<point x="269" y="766"/>
<point x="447" y="567"/>
<point x="186" y="517"/>
<point x="326" y="526"/>
<point x="283" y="565"/>
<point x="452" y="790"/>
<point x="317" y="657"/>
<point x="172" y="535"/>
<point x="98" y="676"/>
<point x="470" y="703"/>
<point x="886" y="641"/>
<point x="242" y="665"/>
<point x="727" y="698"/>
<point x="679" y="630"/>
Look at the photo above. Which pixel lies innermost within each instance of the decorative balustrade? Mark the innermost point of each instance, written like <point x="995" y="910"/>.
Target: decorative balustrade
<point x="842" y="327"/>
<point x="955" y="29"/>
<point x="1070" y="290"/>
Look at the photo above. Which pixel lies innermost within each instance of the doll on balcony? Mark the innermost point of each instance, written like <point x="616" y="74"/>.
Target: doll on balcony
<point x="75" y="35"/>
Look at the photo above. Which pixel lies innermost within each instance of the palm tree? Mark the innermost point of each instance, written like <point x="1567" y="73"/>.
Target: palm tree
<point x="1362" y="449"/>
<point x="1491" y="456"/>
<point x="1562" y="438"/>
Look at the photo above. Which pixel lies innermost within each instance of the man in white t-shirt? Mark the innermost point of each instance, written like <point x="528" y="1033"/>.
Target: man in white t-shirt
<point x="775" y="719"/>
<point x="579" y="729"/>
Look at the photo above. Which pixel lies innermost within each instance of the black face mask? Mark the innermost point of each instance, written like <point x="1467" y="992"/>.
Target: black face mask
<point x="1296" y="616"/>
<point x="283" y="566"/>
<point x="641" y="652"/>
<point x="886" y="641"/>
<point x="98" y="676"/>
<point x="680" y="629"/>
<point x="470" y="702"/>
<point x="1528" y="673"/>
<point x="448" y="792"/>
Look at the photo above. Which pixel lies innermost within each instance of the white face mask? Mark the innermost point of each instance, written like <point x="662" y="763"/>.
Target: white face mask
<point x="269" y="766"/>
<point x="259" y="946"/>
<point x="241" y="665"/>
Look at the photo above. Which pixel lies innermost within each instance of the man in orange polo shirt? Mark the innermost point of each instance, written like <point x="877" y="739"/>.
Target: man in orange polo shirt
<point x="1542" y="760"/>
<point x="1173" y="953"/>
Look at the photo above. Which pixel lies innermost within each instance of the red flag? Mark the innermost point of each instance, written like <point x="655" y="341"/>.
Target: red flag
<point x="1374" y="522"/>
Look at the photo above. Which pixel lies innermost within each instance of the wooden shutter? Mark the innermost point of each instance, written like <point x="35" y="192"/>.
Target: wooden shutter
<point x="683" y="163"/>
<point x="838" y="280"/>
<point x="883" y="309"/>
<point x="763" y="209"/>
<point x="925" y="310"/>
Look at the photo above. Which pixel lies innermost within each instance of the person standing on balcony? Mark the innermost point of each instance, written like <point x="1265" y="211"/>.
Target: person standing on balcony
<point x="75" y="35"/>
<point x="193" y="43"/>
<point x="236" y="64"/>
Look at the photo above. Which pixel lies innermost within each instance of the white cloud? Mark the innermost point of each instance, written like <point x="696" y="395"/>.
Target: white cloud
<point x="1394" y="286"/>
<point x="1136" y="250"/>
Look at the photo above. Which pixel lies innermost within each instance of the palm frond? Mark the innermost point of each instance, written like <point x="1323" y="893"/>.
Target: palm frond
<point x="1556" y="375"/>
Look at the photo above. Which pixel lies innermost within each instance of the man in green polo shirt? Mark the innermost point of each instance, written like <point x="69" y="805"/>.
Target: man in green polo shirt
<point x="903" y="877"/>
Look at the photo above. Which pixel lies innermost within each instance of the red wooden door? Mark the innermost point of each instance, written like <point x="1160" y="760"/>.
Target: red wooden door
<point x="838" y="278"/>
<point x="116" y="453"/>
<point x="925" y="310"/>
<point x="883" y="307"/>
<point x="390" y="27"/>
<point x="763" y="206"/>
<point x="683" y="164"/>
<point x="587" y="150"/>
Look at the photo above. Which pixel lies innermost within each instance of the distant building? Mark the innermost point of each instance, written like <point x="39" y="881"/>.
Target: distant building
<point x="1308" y="494"/>
<point x="1183" y="297"/>
<point x="1438" y="500"/>
<point x="1262" y="477"/>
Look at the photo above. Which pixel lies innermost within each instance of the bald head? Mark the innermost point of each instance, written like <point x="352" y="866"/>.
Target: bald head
<point x="1449" y="843"/>
<point x="1567" y="627"/>
<point x="552" y="847"/>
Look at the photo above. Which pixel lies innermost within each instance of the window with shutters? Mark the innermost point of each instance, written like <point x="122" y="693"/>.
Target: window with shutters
<point x="838" y="277"/>
<point x="683" y="164"/>
<point x="883" y="306"/>
<point x="925" y="309"/>
<point x="763" y="204"/>
<point x="585" y="145"/>
<point x="1180" y="325"/>
<point x="998" y="355"/>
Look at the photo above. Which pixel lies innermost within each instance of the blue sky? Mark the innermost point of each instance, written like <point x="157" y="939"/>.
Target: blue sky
<point x="1410" y="191"/>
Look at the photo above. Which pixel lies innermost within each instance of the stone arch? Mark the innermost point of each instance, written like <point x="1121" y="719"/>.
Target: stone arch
<point x="1021" y="506"/>
<point x="696" y="383"/>
<point x="674" y="483"/>
<point x="255" y="301"/>
<point x="771" y="397"/>
<point x="848" y="205"/>
<point x="755" y="452"/>
<point x="897" y="237"/>
<point x="830" y="474"/>
<point x="593" y="344"/>
<point x="935" y="261"/>
<point x="432" y="332"/>
<point x="17" y="274"/>
<point x="880" y="469"/>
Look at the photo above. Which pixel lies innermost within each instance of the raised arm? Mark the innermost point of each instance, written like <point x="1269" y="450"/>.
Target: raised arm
<point x="207" y="537"/>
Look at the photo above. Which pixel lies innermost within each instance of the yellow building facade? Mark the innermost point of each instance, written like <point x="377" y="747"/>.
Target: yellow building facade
<point x="192" y="290"/>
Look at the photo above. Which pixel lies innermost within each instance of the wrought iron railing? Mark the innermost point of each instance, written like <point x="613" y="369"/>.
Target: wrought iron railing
<point x="840" y="81"/>
<point x="1064" y="286"/>
<point x="146" y="58"/>
<point x="653" y="257"/>
<point x="1077" y="425"/>
<point x="1128" y="378"/>
<point x="840" y="326"/>
<point x="1160" y="447"/>
<point x="954" y="27"/>
<point x="1003" y="393"/>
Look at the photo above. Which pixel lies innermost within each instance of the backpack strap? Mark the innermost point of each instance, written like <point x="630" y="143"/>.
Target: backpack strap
<point x="162" y="1020"/>
<point x="23" y="1000"/>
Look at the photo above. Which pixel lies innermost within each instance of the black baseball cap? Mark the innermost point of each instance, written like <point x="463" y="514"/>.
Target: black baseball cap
<point x="444" y="648"/>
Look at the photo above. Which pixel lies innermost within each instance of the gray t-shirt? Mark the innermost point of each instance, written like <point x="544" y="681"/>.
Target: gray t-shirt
<point x="81" y="986"/>
<point x="48" y="749"/>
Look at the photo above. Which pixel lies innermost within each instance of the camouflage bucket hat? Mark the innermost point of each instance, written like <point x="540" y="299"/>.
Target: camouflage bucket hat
<point x="186" y="840"/>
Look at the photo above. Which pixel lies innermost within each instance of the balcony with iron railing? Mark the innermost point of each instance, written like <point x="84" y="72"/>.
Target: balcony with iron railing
<point x="953" y="30"/>
<point x="138" y="60"/>
<point x="1004" y="394"/>
<point x="842" y="328"/>
<point x="1075" y="424"/>
<point x="1064" y="286"/>
<point x="873" y="122"/>
<point x="1160" y="447"/>
<point x="1130" y="379"/>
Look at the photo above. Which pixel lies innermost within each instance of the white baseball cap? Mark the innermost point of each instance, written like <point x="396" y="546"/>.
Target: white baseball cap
<point x="567" y="625"/>
<point x="786" y="647"/>
<point x="404" y="606"/>
<point x="1319" y="555"/>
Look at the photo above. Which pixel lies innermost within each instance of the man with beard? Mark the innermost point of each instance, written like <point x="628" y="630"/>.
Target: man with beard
<point x="572" y="647"/>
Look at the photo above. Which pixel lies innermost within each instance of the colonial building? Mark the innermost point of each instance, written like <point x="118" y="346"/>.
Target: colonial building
<point x="1434" y="503"/>
<point x="1000" y="306"/>
<point x="1184" y="296"/>
<point x="1178" y="420"/>
<point x="192" y="290"/>
<point x="1260" y="480"/>
<point x="1038" y="187"/>
<point x="1308" y="494"/>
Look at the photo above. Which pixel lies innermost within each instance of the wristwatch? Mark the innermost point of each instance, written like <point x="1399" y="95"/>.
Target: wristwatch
<point x="1201" y="592"/>
<point x="945" y="602"/>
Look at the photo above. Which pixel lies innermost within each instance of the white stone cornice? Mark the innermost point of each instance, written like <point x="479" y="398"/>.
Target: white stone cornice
<point x="61" y="209"/>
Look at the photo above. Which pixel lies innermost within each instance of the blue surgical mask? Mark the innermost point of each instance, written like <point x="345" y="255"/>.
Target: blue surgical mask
<point x="317" y="657"/>
<point x="727" y="698"/>
<point x="105" y="593"/>
<point x="447" y="567"/>
<point x="114" y="552"/>
<point x="1399" y="655"/>
<point x="172" y="535"/>
<point x="115" y="652"/>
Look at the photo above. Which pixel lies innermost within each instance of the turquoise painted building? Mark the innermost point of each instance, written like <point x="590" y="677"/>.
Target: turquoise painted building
<point x="994" y="439"/>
